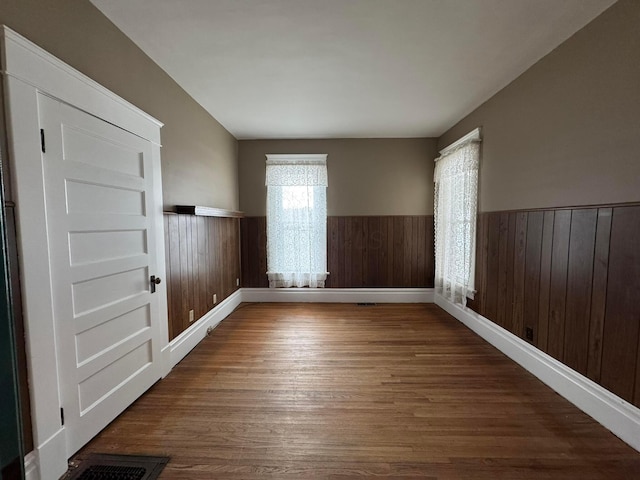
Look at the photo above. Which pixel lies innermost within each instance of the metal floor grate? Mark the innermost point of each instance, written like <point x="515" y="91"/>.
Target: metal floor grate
<point x="111" y="472"/>
<point x="119" y="467"/>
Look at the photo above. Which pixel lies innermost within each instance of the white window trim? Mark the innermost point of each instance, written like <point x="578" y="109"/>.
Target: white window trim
<point x="292" y="279"/>
<point x="474" y="136"/>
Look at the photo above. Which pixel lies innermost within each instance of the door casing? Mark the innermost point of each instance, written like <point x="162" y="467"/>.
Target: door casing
<point x="28" y="71"/>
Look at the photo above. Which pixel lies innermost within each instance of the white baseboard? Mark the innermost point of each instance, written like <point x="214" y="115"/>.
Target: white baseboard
<point x="31" y="466"/>
<point x="48" y="461"/>
<point x="339" y="295"/>
<point x="614" y="413"/>
<point x="180" y="346"/>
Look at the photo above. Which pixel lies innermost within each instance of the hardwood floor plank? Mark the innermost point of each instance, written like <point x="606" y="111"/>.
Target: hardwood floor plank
<point x="298" y="391"/>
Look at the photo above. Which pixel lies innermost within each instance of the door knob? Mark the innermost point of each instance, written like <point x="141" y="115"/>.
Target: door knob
<point x="154" y="281"/>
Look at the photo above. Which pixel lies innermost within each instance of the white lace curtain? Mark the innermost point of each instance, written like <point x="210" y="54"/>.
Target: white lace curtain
<point x="296" y="220"/>
<point x="456" y="206"/>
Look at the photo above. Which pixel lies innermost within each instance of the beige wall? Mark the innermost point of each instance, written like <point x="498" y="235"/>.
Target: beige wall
<point x="366" y="176"/>
<point x="566" y="132"/>
<point x="199" y="157"/>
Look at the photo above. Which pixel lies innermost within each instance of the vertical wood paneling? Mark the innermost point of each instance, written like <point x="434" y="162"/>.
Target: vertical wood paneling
<point x="511" y="248"/>
<point x="420" y="252"/>
<point x="356" y="256"/>
<point x="247" y="279"/>
<point x="168" y="278"/>
<point x="573" y="275"/>
<point x="520" y="250"/>
<point x="503" y="239"/>
<point x="214" y="254"/>
<point x="408" y="260"/>
<point x="348" y="243"/>
<point x="622" y="318"/>
<point x="383" y="252"/>
<point x="339" y="273"/>
<point x="398" y="252"/>
<point x="490" y="308"/>
<point x="206" y="300"/>
<point x="195" y="269"/>
<point x="254" y="252"/>
<point x="599" y="295"/>
<point x="535" y="222"/>
<point x="545" y="281"/>
<point x="184" y="264"/>
<point x="174" y="295"/>
<point x="202" y="258"/>
<point x="558" y="288"/>
<point x="367" y="279"/>
<point x="332" y="251"/>
<point x="482" y="236"/>
<point x="429" y="258"/>
<point x="579" y="280"/>
<point x="374" y="251"/>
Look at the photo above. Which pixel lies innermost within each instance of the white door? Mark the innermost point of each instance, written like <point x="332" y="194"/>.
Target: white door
<point x="98" y="188"/>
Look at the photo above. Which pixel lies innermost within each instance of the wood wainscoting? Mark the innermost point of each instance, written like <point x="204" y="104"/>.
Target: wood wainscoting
<point x="202" y="259"/>
<point x="362" y="251"/>
<point x="569" y="277"/>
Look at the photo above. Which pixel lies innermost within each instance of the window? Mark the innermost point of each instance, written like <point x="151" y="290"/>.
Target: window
<point x="456" y="208"/>
<point x="296" y="220"/>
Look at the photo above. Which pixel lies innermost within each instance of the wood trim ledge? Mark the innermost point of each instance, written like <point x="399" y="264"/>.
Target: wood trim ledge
<point x="206" y="211"/>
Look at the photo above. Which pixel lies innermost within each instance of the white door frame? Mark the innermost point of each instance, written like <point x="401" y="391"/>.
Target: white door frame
<point x="28" y="70"/>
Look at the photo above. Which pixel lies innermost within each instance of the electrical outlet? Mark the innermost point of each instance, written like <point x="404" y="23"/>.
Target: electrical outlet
<point x="191" y="316"/>
<point x="215" y="298"/>
<point x="528" y="333"/>
<point x="237" y="282"/>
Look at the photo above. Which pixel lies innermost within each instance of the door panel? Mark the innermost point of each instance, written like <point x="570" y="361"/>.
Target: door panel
<point x="98" y="185"/>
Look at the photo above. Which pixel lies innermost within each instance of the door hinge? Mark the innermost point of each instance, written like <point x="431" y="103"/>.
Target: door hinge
<point x="62" y="416"/>
<point x="42" y="140"/>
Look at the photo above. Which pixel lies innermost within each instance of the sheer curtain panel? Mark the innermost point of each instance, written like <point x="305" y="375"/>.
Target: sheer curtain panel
<point x="456" y="208"/>
<point x="296" y="220"/>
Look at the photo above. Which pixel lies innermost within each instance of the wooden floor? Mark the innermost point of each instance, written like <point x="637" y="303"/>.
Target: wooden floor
<point x="304" y="391"/>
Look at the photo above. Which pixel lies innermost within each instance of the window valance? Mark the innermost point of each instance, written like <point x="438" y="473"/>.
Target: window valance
<point x="296" y="170"/>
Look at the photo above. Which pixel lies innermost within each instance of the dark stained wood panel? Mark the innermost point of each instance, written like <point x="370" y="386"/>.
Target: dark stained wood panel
<point x="511" y="249"/>
<point x="184" y="286"/>
<point x="429" y="258"/>
<point x="254" y="252"/>
<point x="480" y="278"/>
<point x="519" y="264"/>
<point x="503" y="279"/>
<point x="579" y="280"/>
<point x="362" y="251"/>
<point x="558" y="287"/>
<point x="493" y="265"/>
<point x="573" y="276"/>
<point x="535" y="222"/>
<point x="355" y="256"/>
<point x="542" y="335"/>
<point x="599" y="293"/>
<point x="622" y="318"/>
<point x="202" y="259"/>
<point x="397" y="252"/>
